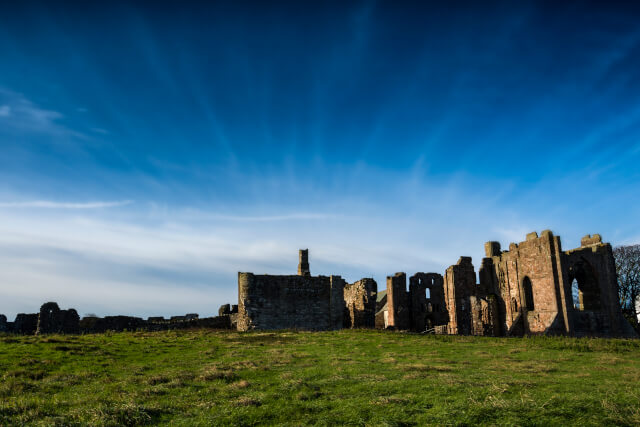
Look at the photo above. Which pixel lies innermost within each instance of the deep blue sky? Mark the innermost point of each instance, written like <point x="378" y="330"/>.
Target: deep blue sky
<point x="159" y="150"/>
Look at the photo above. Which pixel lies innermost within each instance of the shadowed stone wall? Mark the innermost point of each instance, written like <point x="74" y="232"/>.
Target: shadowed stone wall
<point x="25" y="324"/>
<point x="4" y="327"/>
<point x="460" y="285"/>
<point x="283" y="302"/>
<point x="431" y="311"/>
<point x="52" y="320"/>
<point x="398" y="302"/>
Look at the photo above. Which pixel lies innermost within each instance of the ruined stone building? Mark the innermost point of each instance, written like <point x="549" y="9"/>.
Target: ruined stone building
<point x="52" y="320"/>
<point x="541" y="289"/>
<point x="421" y="308"/>
<point x="533" y="288"/>
<point x="304" y="301"/>
<point x="360" y="304"/>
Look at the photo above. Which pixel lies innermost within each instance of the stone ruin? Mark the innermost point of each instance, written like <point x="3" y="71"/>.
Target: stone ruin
<point x="534" y="287"/>
<point x="52" y="320"/>
<point x="304" y="301"/>
<point x="525" y="290"/>
<point x="360" y="304"/>
<point x="535" y="283"/>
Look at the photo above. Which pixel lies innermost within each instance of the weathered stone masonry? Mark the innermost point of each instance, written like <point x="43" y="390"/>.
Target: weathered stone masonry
<point x="528" y="290"/>
<point x="52" y="320"/>
<point x="303" y="301"/>
<point x="421" y="308"/>
<point x="524" y="290"/>
<point x="360" y="304"/>
<point x="534" y="287"/>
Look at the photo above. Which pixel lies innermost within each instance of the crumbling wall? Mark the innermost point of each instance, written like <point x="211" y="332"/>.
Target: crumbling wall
<point x="398" y="302"/>
<point x="427" y="312"/>
<point x="92" y="325"/>
<point x="381" y="310"/>
<point x="484" y="316"/>
<point x="303" y="264"/>
<point x="533" y="283"/>
<point x="460" y="285"/>
<point x="282" y="302"/>
<point x="4" y="327"/>
<point x="25" y="324"/>
<point x="52" y="320"/>
<point x="336" y="302"/>
<point x="527" y="279"/>
<point x="111" y="323"/>
<point x="224" y="310"/>
<point x="360" y="304"/>
<point x="598" y="312"/>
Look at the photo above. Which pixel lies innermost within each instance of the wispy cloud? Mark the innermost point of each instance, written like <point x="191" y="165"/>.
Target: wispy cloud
<point x="186" y="259"/>
<point x="28" y="117"/>
<point x="268" y="218"/>
<point x="64" y="205"/>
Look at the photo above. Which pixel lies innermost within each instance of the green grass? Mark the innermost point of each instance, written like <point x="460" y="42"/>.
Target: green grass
<point x="354" y="377"/>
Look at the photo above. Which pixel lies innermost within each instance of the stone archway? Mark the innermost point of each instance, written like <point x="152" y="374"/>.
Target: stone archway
<point x="585" y="281"/>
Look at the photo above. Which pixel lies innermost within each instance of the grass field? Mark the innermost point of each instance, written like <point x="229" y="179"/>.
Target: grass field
<point x="354" y="377"/>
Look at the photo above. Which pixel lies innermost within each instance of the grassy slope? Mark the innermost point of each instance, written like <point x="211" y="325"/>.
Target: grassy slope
<point x="345" y="377"/>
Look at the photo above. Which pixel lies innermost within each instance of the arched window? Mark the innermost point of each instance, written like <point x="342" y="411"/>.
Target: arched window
<point x="575" y="294"/>
<point x="585" y="290"/>
<point x="528" y="294"/>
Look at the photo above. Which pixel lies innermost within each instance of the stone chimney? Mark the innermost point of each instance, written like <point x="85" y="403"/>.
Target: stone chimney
<point x="303" y="266"/>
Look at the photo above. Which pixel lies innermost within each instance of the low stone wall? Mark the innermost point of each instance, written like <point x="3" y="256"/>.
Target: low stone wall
<point x="93" y="325"/>
<point x="25" y="324"/>
<point x="52" y="320"/>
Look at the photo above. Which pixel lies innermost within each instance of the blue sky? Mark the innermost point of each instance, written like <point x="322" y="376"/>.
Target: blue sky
<point x="151" y="153"/>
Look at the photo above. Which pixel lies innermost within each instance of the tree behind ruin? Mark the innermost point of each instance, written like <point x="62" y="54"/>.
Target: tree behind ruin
<point x="628" y="271"/>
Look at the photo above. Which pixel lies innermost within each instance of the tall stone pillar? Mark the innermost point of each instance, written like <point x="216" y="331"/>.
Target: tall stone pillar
<point x="303" y="265"/>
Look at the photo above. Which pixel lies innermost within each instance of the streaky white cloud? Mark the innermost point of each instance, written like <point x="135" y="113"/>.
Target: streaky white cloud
<point x="147" y="261"/>
<point x="45" y="204"/>
<point x="268" y="218"/>
<point x="29" y="117"/>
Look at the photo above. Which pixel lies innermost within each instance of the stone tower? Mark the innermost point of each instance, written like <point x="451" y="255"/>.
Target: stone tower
<point x="303" y="266"/>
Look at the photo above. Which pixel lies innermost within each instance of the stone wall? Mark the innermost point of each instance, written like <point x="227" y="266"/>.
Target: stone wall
<point x="428" y="305"/>
<point x="25" y="324"/>
<point x="360" y="304"/>
<point x="296" y="302"/>
<point x="597" y="313"/>
<point x="484" y="316"/>
<point x="52" y="320"/>
<point x="398" y="302"/>
<point x="92" y="325"/>
<point x="4" y="327"/>
<point x="460" y="285"/>
<point x="532" y="282"/>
